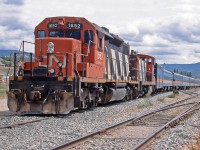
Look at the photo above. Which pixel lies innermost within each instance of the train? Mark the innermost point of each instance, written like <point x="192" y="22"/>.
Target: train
<point x="78" y="64"/>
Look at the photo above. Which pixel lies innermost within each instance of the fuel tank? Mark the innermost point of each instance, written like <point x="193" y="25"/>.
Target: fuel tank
<point x="112" y="94"/>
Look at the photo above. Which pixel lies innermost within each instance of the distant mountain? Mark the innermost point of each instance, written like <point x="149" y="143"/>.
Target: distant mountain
<point x="193" y="68"/>
<point x="7" y="52"/>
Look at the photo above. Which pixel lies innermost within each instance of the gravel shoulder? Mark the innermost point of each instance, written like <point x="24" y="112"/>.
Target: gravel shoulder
<point x="56" y="130"/>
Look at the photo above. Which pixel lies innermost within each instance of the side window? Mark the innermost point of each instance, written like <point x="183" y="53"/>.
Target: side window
<point x="100" y="40"/>
<point x="40" y="34"/>
<point x="88" y="36"/>
<point x="56" y="34"/>
<point x="73" y="34"/>
<point x="100" y="43"/>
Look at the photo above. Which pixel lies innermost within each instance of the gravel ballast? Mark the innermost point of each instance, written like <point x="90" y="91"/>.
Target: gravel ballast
<point x="182" y="134"/>
<point x="54" y="131"/>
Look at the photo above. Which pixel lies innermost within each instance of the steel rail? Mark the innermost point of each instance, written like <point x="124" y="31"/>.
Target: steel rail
<point x="146" y="141"/>
<point x="22" y="123"/>
<point x="181" y="101"/>
<point x="189" y="93"/>
<point x="123" y="123"/>
<point x="186" y="92"/>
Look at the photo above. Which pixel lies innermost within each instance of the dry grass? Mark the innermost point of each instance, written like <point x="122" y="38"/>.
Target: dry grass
<point x="193" y="146"/>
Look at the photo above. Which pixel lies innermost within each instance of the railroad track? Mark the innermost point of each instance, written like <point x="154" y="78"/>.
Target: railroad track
<point x="189" y="92"/>
<point x="37" y="120"/>
<point x="56" y="131"/>
<point x="22" y="123"/>
<point x="131" y="122"/>
<point x="13" y="125"/>
<point x="167" y="125"/>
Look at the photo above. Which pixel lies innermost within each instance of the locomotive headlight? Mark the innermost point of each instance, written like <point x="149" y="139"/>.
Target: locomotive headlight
<point x="52" y="70"/>
<point x="50" y="47"/>
<point x="60" y="73"/>
<point x="20" y="71"/>
<point x="59" y="64"/>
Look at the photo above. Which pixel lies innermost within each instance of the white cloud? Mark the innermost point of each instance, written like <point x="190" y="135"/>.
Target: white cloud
<point x="154" y="40"/>
<point x="165" y="29"/>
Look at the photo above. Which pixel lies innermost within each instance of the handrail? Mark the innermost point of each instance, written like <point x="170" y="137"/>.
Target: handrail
<point x="21" y="47"/>
<point x="22" y="43"/>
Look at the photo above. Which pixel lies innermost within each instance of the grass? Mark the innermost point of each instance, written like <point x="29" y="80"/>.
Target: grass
<point x="196" y="146"/>
<point x="146" y="96"/>
<point x="3" y="89"/>
<point x="172" y="95"/>
<point x="193" y="148"/>
<point x="161" y="99"/>
<point x="148" y="104"/>
<point x="5" y="70"/>
<point x="198" y="141"/>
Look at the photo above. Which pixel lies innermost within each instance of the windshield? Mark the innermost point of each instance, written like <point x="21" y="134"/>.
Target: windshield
<point x="40" y="34"/>
<point x="73" y="34"/>
<point x="56" y="34"/>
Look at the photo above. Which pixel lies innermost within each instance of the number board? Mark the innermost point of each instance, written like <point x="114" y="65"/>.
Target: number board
<point x="52" y="25"/>
<point x="74" y="25"/>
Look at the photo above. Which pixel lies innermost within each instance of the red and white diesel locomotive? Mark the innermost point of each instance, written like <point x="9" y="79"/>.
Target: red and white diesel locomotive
<point x="78" y="64"/>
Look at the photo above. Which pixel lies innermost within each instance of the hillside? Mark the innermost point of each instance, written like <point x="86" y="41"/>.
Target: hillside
<point x="193" y="68"/>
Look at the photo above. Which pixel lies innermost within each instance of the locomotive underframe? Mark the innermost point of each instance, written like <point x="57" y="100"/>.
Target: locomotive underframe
<point x="40" y="95"/>
<point x="49" y="96"/>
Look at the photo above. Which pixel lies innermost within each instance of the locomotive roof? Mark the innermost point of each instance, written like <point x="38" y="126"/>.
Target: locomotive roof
<point x="98" y="28"/>
<point x="115" y="39"/>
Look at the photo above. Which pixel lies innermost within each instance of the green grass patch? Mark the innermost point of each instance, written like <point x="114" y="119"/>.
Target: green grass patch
<point x="161" y="99"/>
<point x="3" y="89"/>
<point x="146" y="96"/>
<point x="141" y="106"/>
<point x="172" y="95"/>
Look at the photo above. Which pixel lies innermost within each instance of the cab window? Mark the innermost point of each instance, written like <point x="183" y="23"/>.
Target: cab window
<point x="100" y="40"/>
<point x="100" y="43"/>
<point x="73" y="34"/>
<point x="56" y="34"/>
<point x="40" y="34"/>
<point x="88" y="36"/>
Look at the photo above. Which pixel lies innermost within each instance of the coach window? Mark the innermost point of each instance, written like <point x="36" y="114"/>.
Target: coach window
<point x="56" y="34"/>
<point x="73" y="34"/>
<point x="88" y="36"/>
<point x="41" y="34"/>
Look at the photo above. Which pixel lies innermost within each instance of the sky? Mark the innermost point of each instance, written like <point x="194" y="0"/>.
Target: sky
<point x="167" y="29"/>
